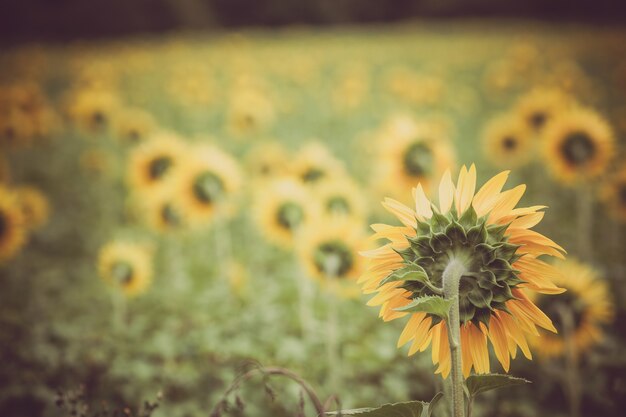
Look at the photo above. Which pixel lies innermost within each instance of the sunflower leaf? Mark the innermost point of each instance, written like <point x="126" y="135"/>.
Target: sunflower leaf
<point x="404" y="409"/>
<point x="486" y="382"/>
<point x="432" y="304"/>
<point x="411" y="272"/>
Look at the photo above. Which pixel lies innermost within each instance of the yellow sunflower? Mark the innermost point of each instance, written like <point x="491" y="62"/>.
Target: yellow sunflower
<point x="500" y="257"/>
<point x="12" y="229"/>
<point x="16" y="129"/>
<point x="586" y="303"/>
<point x="579" y="146"/>
<point x="330" y="254"/>
<point x="507" y="142"/>
<point x="250" y="111"/>
<point x="34" y="205"/>
<point x="162" y="210"/>
<point x="267" y="160"/>
<point x="126" y="265"/>
<point x="341" y="197"/>
<point x="314" y="163"/>
<point x="134" y="125"/>
<point x="91" y="110"/>
<point x="152" y="162"/>
<point x="282" y="209"/>
<point x="411" y="153"/>
<point x="540" y="106"/>
<point x="207" y="182"/>
<point x="613" y="193"/>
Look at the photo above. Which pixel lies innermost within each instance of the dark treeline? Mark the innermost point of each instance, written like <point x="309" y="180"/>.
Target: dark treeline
<point x="59" y="20"/>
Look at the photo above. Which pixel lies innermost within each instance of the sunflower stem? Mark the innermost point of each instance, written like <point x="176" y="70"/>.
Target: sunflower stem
<point x="451" y="279"/>
<point x="572" y="373"/>
<point x="332" y="341"/>
<point x="584" y="203"/>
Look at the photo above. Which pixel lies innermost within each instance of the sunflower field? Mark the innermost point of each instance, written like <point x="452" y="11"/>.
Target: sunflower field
<point x="191" y="224"/>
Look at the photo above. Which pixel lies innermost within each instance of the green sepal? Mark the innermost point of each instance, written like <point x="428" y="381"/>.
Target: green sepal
<point x="456" y="233"/>
<point x="506" y="250"/>
<point x="421" y="245"/>
<point x="466" y="310"/>
<point x="440" y="242"/>
<point x="438" y="222"/>
<point x="411" y="272"/>
<point x="482" y="315"/>
<point x="486" y="252"/>
<point x="480" y="298"/>
<point x="486" y="280"/>
<point x="422" y="228"/>
<point x="408" y="255"/>
<point x="431" y="304"/>
<point x="496" y="232"/>
<point x="477" y="234"/>
<point x="504" y="294"/>
<point x="469" y="217"/>
<point x="477" y="384"/>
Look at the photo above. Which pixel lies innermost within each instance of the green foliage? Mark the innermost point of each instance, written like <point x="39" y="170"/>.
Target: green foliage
<point x="431" y="304"/>
<point x="404" y="409"/>
<point x="476" y="384"/>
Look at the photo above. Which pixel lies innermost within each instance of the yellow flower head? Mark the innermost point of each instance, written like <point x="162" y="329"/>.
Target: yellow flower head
<point x="579" y="146"/>
<point x="12" y="229"/>
<point x="162" y="210"/>
<point x="91" y="110"/>
<point x="330" y="253"/>
<point x="314" y="164"/>
<point x="540" y="106"/>
<point x="16" y="129"/>
<point x="507" y="142"/>
<point x="133" y="126"/>
<point x="267" y="160"/>
<point x="580" y="312"/>
<point x="282" y="209"/>
<point x="412" y="153"/>
<point x="126" y="265"/>
<point x="341" y="197"/>
<point x="250" y="111"/>
<point x="501" y="255"/>
<point x="153" y="162"/>
<point x="34" y="205"/>
<point x="207" y="182"/>
<point x="613" y="193"/>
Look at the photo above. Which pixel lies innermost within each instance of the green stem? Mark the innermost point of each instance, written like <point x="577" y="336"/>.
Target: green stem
<point x="451" y="279"/>
<point x="584" y="214"/>
<point x="572" y="373"/>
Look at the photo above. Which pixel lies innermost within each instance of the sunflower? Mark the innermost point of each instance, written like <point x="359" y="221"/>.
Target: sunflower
<point x="507" y="142"/>
<point x="16" y="129"/>
<point x="540" y="106"/>
<point x="613" y="193"/>
<point x="411" y="153"/>
<point x="91" y="110"/>
<point x="34" y="205"/>
<point x="126" y="265"/>
<point x="153" y="162"/>
<point x="341" y="197"/>
<point x="579" y="145"/>
<point x="282" y="209"/>
<point x="314" y="163"/>
<point x="250" y="111"/>
<point x="586" y="304"/>
<point x="162" y="210"/>
<point x="267" y="160"/>
<point x="12" y="230"/>
<point x="207" y="182"/>
<point x="133" y="125"/>
<point x="330" y="254"/>
<point x="500" y="255"/>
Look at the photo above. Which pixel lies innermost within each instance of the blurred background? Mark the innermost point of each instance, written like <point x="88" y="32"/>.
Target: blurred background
<point x="173" y="173"/>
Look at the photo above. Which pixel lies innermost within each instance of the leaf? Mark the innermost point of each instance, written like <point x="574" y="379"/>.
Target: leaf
<point x="411" y="272"/>
<point x="405" y="409"/>
<point x="430" y="406"/>
<point x="481" y="383"/>
<point x="432" y="304"/>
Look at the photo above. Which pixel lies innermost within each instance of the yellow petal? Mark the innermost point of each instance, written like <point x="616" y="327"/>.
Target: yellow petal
<point x="486" y="197"/>
<point x="446" y="192"/>
<point x="506" y="202"/>
<point x="422" y="204"/>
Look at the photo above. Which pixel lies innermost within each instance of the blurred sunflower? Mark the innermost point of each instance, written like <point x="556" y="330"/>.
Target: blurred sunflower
<point x="507" y="142"/>
<point x="314" y="164"/>
<point x="126" y="265"/>
<point x="499" y="252"/>
<point x="152" y="162"/>
<point x="613" y="193"/>
<point x="91" y="110"/>
<point x="250" y="111"/>
<point x="579" y="146"/>
<point x="133" y="125"/>
<point x="34" y="205"/>
<point x="330" y="254"/>
<point x="162" y="210"/>
<point x="267" y="160"/>
<point x="12" y="229"/>
<point x="5" y="170"/>
<point x="586" y="306"/>
<point x="540" y="106"/>
<point x="282" y="209"/>
<point x="412" y="153"/>
<point x="207" y="182"/>
<point x="341" y="197"/>
<point x="16" y="129"/>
